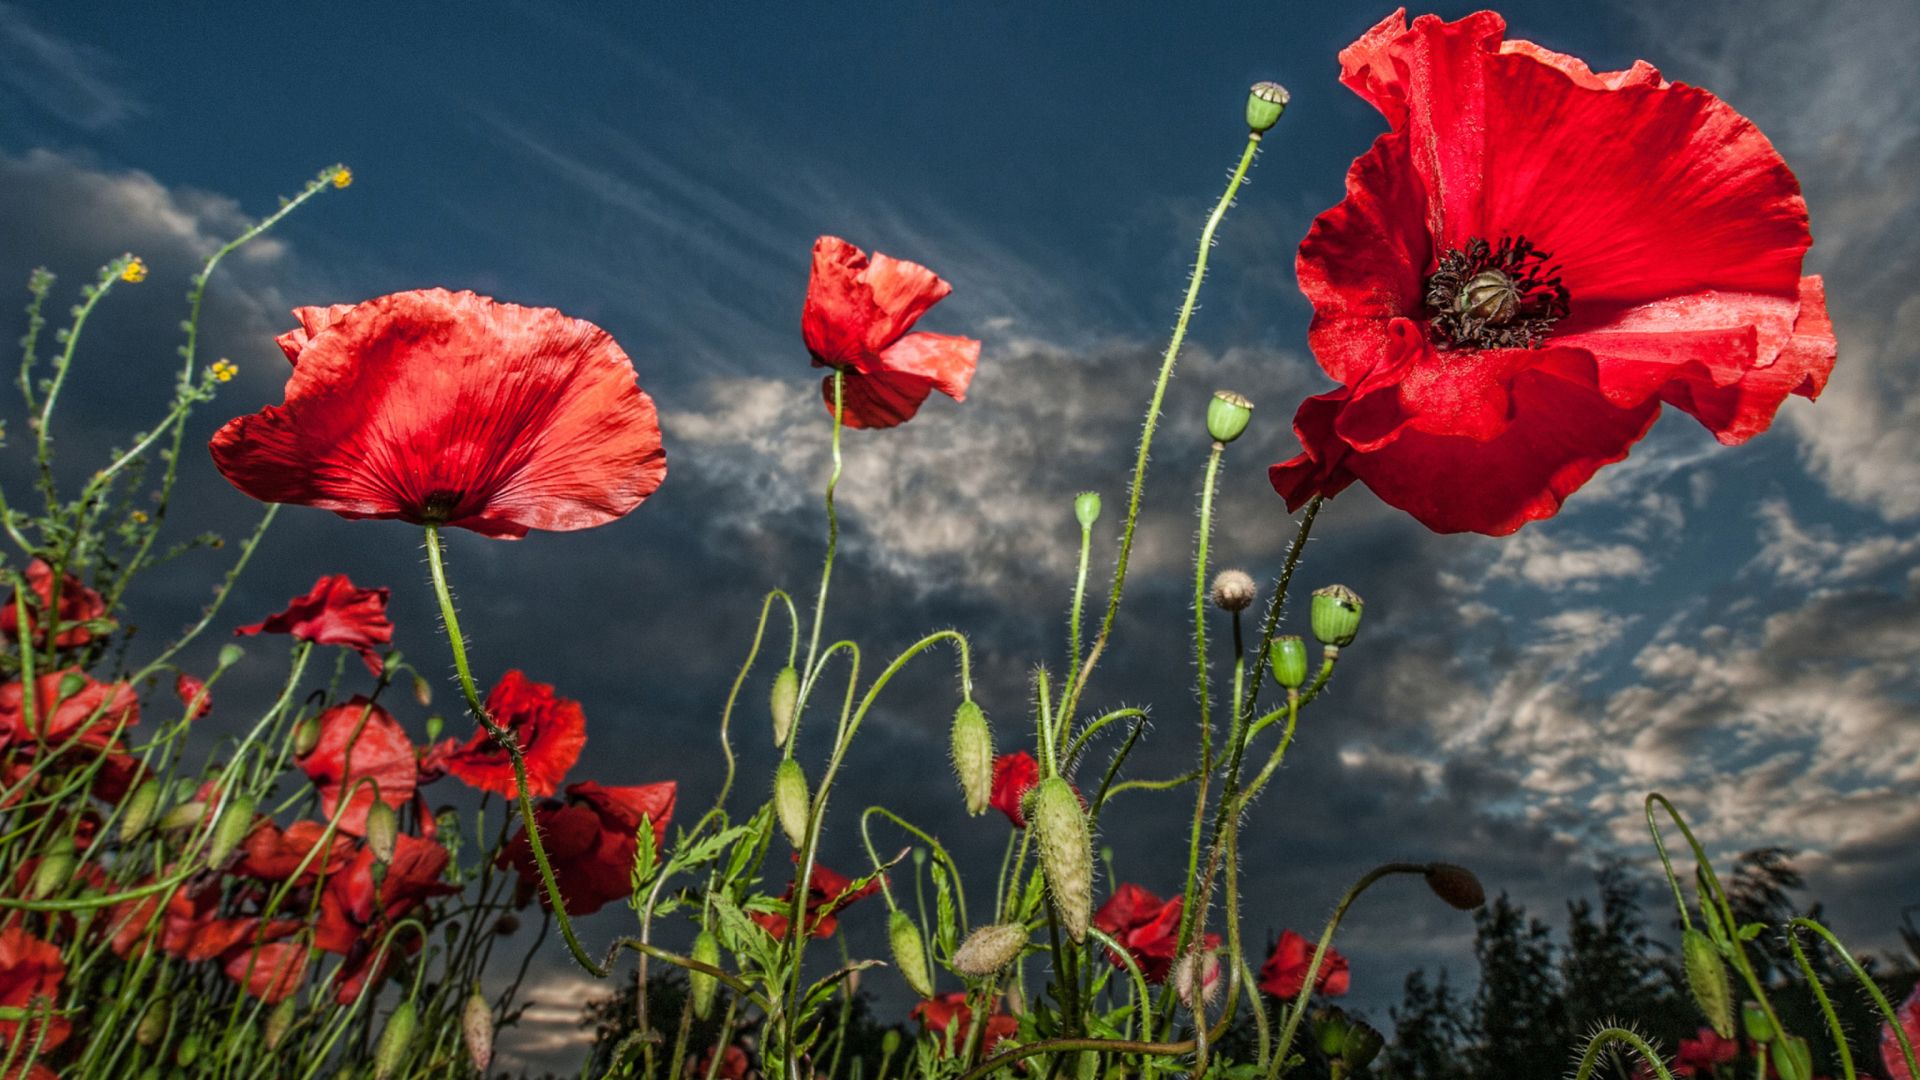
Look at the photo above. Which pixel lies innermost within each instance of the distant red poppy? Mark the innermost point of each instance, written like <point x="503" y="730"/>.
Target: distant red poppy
<point x="192" y="693"/>
<point x="589" y="841"/>
<point x="1528" y="264"/>
<point x="442" y="408"/>
<point x="856" y="319"/>
<point x="1014" y="775"/>
<point x="1285" y="972"/>
<point x="271" y="971"/>
<point x="78" y="604"/>
<point x="275" y="855"/>
<point x="342" y="759"/>
<point x="30" y="976"/>
<point x="734" y="1064"/>
<point x="352" y="924"/>
<point x="334" y="613"/>
<point x="1149" y="928"/>
<point x="1703" y="1052"/>
<point x="948" y="1013"/>
<point x="828" y="893"/>
<point x="551" y="731"/>
<point x="91" y="712"/>
<point x="1890" y="1053"/>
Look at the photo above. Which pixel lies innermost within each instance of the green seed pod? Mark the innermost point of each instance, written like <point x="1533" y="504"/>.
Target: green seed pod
<point x="55" y="868"/>
<point x="790" y="800"/>
<point x="1456" y="885"/>
<point x="139" y="808"/>
<point x="1086" y="508"/>
<point x="1288" y="656"/>
<point x="1265" y="102"/>
<point x="476" y="1030"/>
<point x="973" y="756"/>
<point x="1330" y="1029"/>
<point x="153" y="1023"/>
<point x="1066" y="852"/>
<point x="230" y="655"/>
<point x="1227" y="415"/>
<point x="189" y="1050"/>
<point x="279" y="1023"/>
<point x="1759" y="1026"/>
<point x="1707" y="978"/>
<point x="1234" y="590"/>
<point x="989" y="949"/>
<point x="890" y="1042"/>
<point x="909" y="955"/>
<point x="184" y="816"/>
<point x="786" y="694"/>
<point x="306" y="736"/>
<point x="236" y="821"/>
<point x="1336" y="615"/>
<point x="383" y="830"/>
<point x="1362" y="1045"/>
<point x="706" y="949"/>
<point x="395" y="1042"/>
<point x="1793" y="1058"/>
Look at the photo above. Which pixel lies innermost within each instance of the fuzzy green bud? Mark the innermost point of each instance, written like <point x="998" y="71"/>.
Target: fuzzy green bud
<point x="1227" y="415"/>
<point x="786" y="694"/>
<point x="1336" y="615"/>
<point x="1456" y="885"/>
<point x="70" y="684"/>
<point x="1066" y="852"/>
<point x="390" y="663"/>
<point x="1086" y="508"/>
<point x="236" y="821"/>
<point x="1362" y="1045"/>
<point x="279" y="1022"/>
<point x="790" y="800"/>
<point x="973" y="756"/>
<point x="1707" y="978"/>
<point x="989" y="949"/>
<point x="1288" y="656"/>
<point x="184" y="816"/>
<point x="706" y="950"/>
<point x="1758" y="1024"/>
<point x="230" y="655"/>
<point x="1330" y="1029"/>
<point x="435" y="725"/>
<point x="383" y="830"/>
<point x="153" y="1023"/>
<point x="476" y="1030"/>
<point x="56" y="866"/>
<point x="306" y="736"/>
<point x="395" y="1042"/>
<point x="909" y="954"/>
<point x="1793" y="1058"/>
<point x="189" y="1050"/>
<point x="1265" y="102"/>
<point x="890" y="1042"/>
<point x="137" y="813"/>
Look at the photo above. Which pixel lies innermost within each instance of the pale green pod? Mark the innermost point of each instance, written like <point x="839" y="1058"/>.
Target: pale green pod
<point x="791" y="801"/>
<point x="1066" y="852"/>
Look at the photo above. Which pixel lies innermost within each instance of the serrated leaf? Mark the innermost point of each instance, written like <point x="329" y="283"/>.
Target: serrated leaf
<point x="1751" y="930"/>
<point x="1036" y="894"/>
<point x="821" y="990"/>
<point x="743" y="850"/>
<point x="646" y="858"/>
<point x="740" y="935"/>
<point x="706" y="850"/>
<point x="947" y="938"/>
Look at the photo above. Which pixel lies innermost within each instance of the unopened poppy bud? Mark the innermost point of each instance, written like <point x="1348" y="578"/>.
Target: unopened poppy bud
<point x="56" y="866"/>
<point x="1362" y="1045"/>
<point x="890" y="1042"/>
<point x="1759" y="1026"/>
<point x="1233" y="590"/>
<point x="790" y="800"/>
<point x="507" y="925"/>
<point x="1793" y="1058"/>
<point x="70" y="684"/>
<point x="390" y="663"/>
<point x="230" y="655"/>
<point x="1707" y="978"/>
<point x="1330" y="1029"/>
<point x="706" y="950"/>
<point x="184" y="816"/>
<point x="1086" y="508"/>
<point x="1456" y="885"/>
<point x="395" y="1042"/>
<point x="1336" y="615"/>
<point x="306" y="736"/>
<point x="1265" y="103"/>
<point x="278" y="1023"/>
<point x="1288" y="655"/>
<point x="909" y="954"/>
<point x="973" y="756"/>
<point x="1197" y="972"/>
<point x="1227" y="415"/>
<point x="786" y="694"/>
<point x="236" y="821"/>
<point x="989" y="949"/>
<point x="383" y="830"/>
<point x="1066" y="852"/>
<point x="189" y="1050"/>
<point x="153" y="1023"/>
<point x="435" y="725"/>
<point x="476" y="1030"/>
<point x="422" y="692"/>
<point x="137" y="813"/>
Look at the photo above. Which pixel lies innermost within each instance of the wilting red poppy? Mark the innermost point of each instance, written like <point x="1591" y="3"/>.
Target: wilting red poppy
<point x="30" y="975"/>
<point x="193" y="694"/>
<point x="1285" y="972"/>
<point x="443" y="408"/>
<point x="856" y="319"/>
<point x="1149" y="928"/>
<point x="589" y="841"/>
<point x="1890" y="1053"/>
<point x="91" y="712"/>
<point x="1703" y="1052"/>
<point x="360" y="740"/>
<point x="1528" y="264"/>
<point x="551" y="731"/>
<point x="78" y="604"/>
<point x="1014" y="775"/>
<point x="948" y="1013"/>
<point x="275" y="855"/>
<point x="828" y="892"/>
<point x="334" y="613"/>
<point x="352" y="924"/>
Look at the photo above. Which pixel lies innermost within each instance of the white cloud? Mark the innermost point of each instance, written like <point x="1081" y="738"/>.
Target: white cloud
<point x="59" y="76"/>
<point x="1541" y="559"/>
<point x="1803" y="555"/>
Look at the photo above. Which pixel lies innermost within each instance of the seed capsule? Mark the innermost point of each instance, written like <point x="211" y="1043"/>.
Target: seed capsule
<point x="1288" y="655"/>
<point x="383" y="830"/>
<point x="278" y="1023"/>
<point x="1086" y="508"/>
<point x="1361" y="1046"/>
<point x="236" y="821"/>
<point x="989" y="949"/>
<point x="1265" y="102"/>
<point x="1336" y="615"/>
<point x="476" y="1030"/>
<point x="706" y="949"/>
<point x="973" y="756"/>
<point x="1066" y="852"/>
<point x="1233" y="590"/>
<point x="1707" y="978"/>
<point x="306" y="736"/>
<point x="1489" y="296"/>
<point x="395" y="1042"/>
<point x="786" y="694"/>
<point x="790" y="800"/>
<point x="1456" y="885"/>
<point x="56" y="866"/>
<point x="909" y="955"/>
<point x="1227" y="415"/>
<point x="138" y="813"/>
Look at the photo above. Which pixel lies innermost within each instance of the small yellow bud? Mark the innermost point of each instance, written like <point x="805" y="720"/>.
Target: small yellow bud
<point x="135" y="270"/>
<point x="343" y="177"/>
<point x="223" y="371"/>
<point x="139" y="517"/>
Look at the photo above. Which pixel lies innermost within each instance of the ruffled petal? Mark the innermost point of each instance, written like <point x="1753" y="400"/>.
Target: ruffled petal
<point x="312" y="321"/>
<point x="1320" y="469"/>
<point x="945" y="362"/>
<point x="881" y="400"/>
<point x="1640" y="74"/>
<point x="857" y="306"/>
<point x="902" y="291"/>
<point x="1738" y="411"/>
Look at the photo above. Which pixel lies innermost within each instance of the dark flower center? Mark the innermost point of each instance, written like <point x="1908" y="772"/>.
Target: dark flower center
<point x="1486" y="297"/>
<point x="438" y="508"/>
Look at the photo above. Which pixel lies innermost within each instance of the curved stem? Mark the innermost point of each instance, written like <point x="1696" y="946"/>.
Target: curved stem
<point x="1873" y="988"/>
<point x="726" y="715"/>
<point x="1079" y="597"/>
<point x="1598" y="1044"/>
<point x="1826" y="1006"/>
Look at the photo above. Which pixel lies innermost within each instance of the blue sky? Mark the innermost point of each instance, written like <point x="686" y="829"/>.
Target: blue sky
<point x="1736" y="627"/>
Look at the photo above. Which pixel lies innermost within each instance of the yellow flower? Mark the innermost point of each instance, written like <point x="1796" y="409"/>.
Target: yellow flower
<point x="139" y="517"/>
<point x="135" y="270"/>
<point x="223" y="371"/>
<point x="343" y="177"/>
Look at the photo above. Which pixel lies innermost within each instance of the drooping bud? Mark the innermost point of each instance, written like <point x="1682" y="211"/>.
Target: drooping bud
<point x="153" y="1023"/>
<point x="390" y="663"/>
<point x="1759" y="1026"/>
<point x="422" y="692"/>
<point x="1707" y="978"/>
<point x="1362" y="1045"/>
<point x="909" y="954"/>
<point x="184" y="816"/>
<point x="973" y="756"/>
<point x="1336" y="615"/>
<point x="1197" y="971"/>
<point x="1288" y="657"/>
<point x="1265" y="103"/>
<point x="989" y="949"/>
<point x="1234" y="590"/>
<point x="56" y="866"/>
<point x="1066" y="852"/>
<point x="1456" y="885"/>
<point x="476" y="1030"/>
<point x="230" y="655"/>
<point x="306" y="736"/>
<point x="706" y="950"/>
<point x="1793" y="1058"/>
<point x="1086" y="508"/>
<point x="236" y="821"/>
<point x="435" y="725"/>
<point x="395" y="1044"/>
<point x="383" y="830"/>
<point x="790" y="800"/>
<point x="137" y="813"/>
<point x="278" y="1023"/>
<point x="786" y="693"/>
<point x="1227" y="415"/>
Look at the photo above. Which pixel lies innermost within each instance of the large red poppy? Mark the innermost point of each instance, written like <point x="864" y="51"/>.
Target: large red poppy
<point x="79" y="605"/>
<point x="948" y="1014"/>
<point x="590" y="841"/>
<point x="30" y="976"/>
<point x="443" y="408"/>
<point x="551" y="730"/>
<point x="334" y="613"/>
<point x="1148" y="927"/>
<point x="359" y="740"/>
<point x="93" y="712"/>
<point x="1528" y="264"/>
<point x="1285" y="972"/>
<point x="856" y="319"/>
<point x="356" y="913"/>
<point x="828" y="893"/>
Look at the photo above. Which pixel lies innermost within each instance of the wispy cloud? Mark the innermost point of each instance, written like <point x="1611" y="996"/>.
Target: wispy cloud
<point x="68" y="80"/>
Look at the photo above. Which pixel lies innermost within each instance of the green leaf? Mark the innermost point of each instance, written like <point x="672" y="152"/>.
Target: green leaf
<point x="646" y="857"/>
<point x="1751" y="930"/>
<point x="947" y="938"/>
<point x="741" y="935"/>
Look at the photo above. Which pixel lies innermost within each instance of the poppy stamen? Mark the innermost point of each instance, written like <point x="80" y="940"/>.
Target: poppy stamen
<point x="1486" y="297"/>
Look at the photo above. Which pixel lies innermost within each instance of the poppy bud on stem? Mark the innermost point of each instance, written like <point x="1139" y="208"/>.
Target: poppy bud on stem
<point x="476" y="1030"/>
<point x="909" y="954"/>
<point x="139" y="810"/>
<point x="786" y="694"/>
<point x="706" y="950"/>
<point x="791" y="801"/>
<point x="56" y="866"/>
<point x="1707" y="979"/>
<point x="973" y="756"/>
<point x="236" y="821"/>
<point x="383" y="830"/>
<point x="395" y="1042"/>
<point x="278" y="1024"/>
<point x="1066" y="852"/>
<point x="989" y="949"/>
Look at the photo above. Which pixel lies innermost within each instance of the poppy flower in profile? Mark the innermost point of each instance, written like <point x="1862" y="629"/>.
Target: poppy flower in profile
<point x="356" y="912"/>
<point x="948" y="1015"/>
<point x="333" y="612"/>
<point x="857" y="315"/>
<point x="1890" y="1053"/>
<point x="551" y="731"/>
<point x="828" y="893"/>
<point x="360" y="741"/>
<point x="1148" y="927"/>
<point x="79" y="606"/>
<point x="30" y="977"/>
<point x="1285" y="972"/>
<point x="1528" y="265"/>
<point x="275" y="855"/>
<point x="1014" y="775"/>
<point x="590" y="841"/>
<point x="68" y="705"/>
<point x="193" y="694"/>
<point x="1704" y="1052"/>
<point x="442" y="408"/>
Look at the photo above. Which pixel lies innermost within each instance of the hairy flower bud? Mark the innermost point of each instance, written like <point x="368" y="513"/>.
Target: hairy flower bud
<point x="790" y="800"/>
<point x="189" y="1050"/>
<point x="1707" y="978"/>
<point x="306" y="736"/>
<point x="1456" y="885"/>
<point x="278" y="1023"/>
<point x="56" y="866"/>
<point x="230" y="655"/>
<point x="236" y="821"/>
<point x="137" y="812"/>
<point x="989" y="949"/>
<point x="1361" y="1046"/>
<point x="435" y="725"/>
<point x="1234" y="590"/>
<point x="1759" y="1026"/>
<point x="706" y="950"/>
<point x="1066" y="851"/>
<point x="395" y="1044"/>
<point x="1197" y="970"/>
<point x="383" y="830"/>
<point x="1288" y="656"/>
<point x="1227" y="415"/>
<point x="1265" y="103"/>
<point x="184" y="816"/>
<point x="153" y="1023"/>
<point x="909" y="955"/>
<point x="890" y="1042"/>
<point x="1336" y="615"/>
<point x="422" y="692"/>
<point x="973" y="756"/>
<point x="786" y="693"/>
<point x="1086" y="508"/>
<point x="476" y="1030"/>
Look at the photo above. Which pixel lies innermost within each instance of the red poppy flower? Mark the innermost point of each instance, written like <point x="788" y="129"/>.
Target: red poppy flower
<point x="948" y="1013"/>
<point x="1014" y="775"/>
<point x="828" y="893"/>
<point x="334" y="613"/>
<point x="271" y="971"/>
<point x="1285" y="972"/>
<point x="1148" y="927"/>
<point x="856" y="319"/>
<point x="92" y="712"/>
<point x="1528" y="264"/>
<point x="184" y="923"/>
<point x="193" y="694"/>
<point x="450" y="409"/>
<point x="30" y="976"/>
<point x="360" y="740"/>
<point x="352" y="923"/>
<point x="271" y="854"/>
<point x="1890" y="1053"/>
<point x="733" y="1065"/>
<point x="551" y="731"/>
<point x="1703" y="1052"/>
<point x="78" y="605"/>
<point x="589" y="841"/>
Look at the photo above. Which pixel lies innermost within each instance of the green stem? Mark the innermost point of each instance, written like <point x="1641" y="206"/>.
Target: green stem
<point x="1598" y="1045"/>
<point x="1204" y="788"/>
<point x="808" y="673"/>
<point x="1873" y="988"/>
<point x="1079" y="598"/>
<point x="1826" y="1006"/>
<point x="1272" y="622"/>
